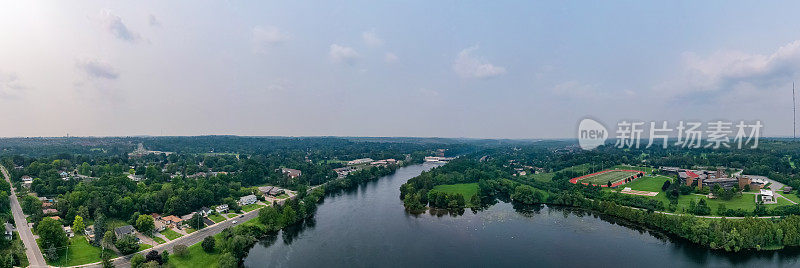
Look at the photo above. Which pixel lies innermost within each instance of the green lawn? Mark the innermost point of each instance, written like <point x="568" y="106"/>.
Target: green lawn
<point x="543" y="177"/>
<point x="216" y="218"/>
<point x="196" y="258"/>
<point x="792" y="197"/>
<point x="579" y="168"/>
<point x="252" y="207"/>
<point x="79" y="252"/>
<point x="652" y="184"/>
<point x="643" y="169"/>
<point x="465" y="189"/>
<point x="231" y="215"/>
<point x="144" y="246"/>
<point x="190" y="230"/>
<point x="745" y="201"/>
<point x="171" y="234"/>
<point x="158" y="239"/>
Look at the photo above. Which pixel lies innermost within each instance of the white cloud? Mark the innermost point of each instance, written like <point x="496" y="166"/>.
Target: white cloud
<point x="10" y="85"/>
<point x="95" y="68"/>
<point x="390" y="57"/>
<point x="266" y="36"/>
<point x="468" y="66"/>
<point x="577" y="90"/>
<point x="116" y="27"/>
<point x="725" y="71"/>
<point x="153" y="21"/>
<point x="343" y="54"/>
<point x="371" y="38"/>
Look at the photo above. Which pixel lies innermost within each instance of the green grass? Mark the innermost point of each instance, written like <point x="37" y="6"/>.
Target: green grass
<point x="252" y="207"/>
<point x="582" y="168"/>
<point x="197" y="257"/>
<point x="171" y="234"/>
<point x="465" y="189"/>
<point x="144" y="246"/>
<point x="114" y="223"/>
<point x="231" y="215"/>
<point x="216" y="218"/>
<point x="158" y="239"/>
<point x="612" y="176"/>
<point x="792" y="197"/>
<point x="652" y="184"/>
<point x="282" y="196"/>
<point x="643" y="169"/>
<point x="79" y="252"/>
<point x="745" y="201"/>
<point x="190" y="230"/>
<point x="543" y="177"/>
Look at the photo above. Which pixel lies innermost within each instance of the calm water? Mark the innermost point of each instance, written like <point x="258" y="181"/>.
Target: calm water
<point x="368" y="227"/>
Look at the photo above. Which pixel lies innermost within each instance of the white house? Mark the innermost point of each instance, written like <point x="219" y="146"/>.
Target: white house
<point x="767" y="196"/>
<point x="222" y="208"/>
<point x="247" y="200"/>
<point x="205" y="211"/>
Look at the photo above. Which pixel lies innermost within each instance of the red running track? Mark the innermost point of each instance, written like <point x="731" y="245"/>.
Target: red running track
<point x="621" y="182"/>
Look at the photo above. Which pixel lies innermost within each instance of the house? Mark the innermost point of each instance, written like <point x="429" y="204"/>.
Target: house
<point x="264" y="190"/>
<point x="360" y="161"/>
<point x="205" y="211"/>
<point x="787" y="189"/>
<point x="89" y="232"/>
<point x="187" y="216"/>
<point x="247" y="200"/>
<point x="171" y="220"/>
<point x="47" y="204"/>
<point x="276" y="191"/>
<point x="767" y="196"/>
<point x="292" y="173"/>
<point x="68" y="230"/>
<point x="159" y="225"/>
<point x="222" y="208"/>
<point x="124" y="230"/>
<point x="27" y="179"/>
<point x="63" y="174"/>
<point x="49" y="211"/>
<point x="9" y="231"/>
<point x="55" y="218"/>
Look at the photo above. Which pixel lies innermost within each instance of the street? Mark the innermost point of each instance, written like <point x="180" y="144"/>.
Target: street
<point x="35" y="257"/>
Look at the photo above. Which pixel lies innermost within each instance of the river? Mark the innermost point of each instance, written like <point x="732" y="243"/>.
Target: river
<point x="368" y="227"/>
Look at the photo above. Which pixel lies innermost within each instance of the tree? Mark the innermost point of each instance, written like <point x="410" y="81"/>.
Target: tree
<point x="209" y="243"/>
<point x="145" y="224"/>
<point x="228" y="261"/>
<point x="608" y="184"/>
<point x="666" y="185"/>
<point x="137" y="261"/>
<point x="181" y="250"/>
<point x="153" y="256"/>
<point x="127" y="244"/>
<point x="197" y="221"/>
<point x="77" y="225"/>
<point x="288" y="217"/>
<point x="524" y="194"/>
<point x="269" y="216"/>
<point x="108" y="239"/>
<point x="164" y="256"/>
<point x="238" y="245"/>
<point x="51" y="233"/>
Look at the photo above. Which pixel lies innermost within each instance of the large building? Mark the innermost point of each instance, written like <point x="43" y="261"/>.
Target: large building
<point x="705" y="178"/>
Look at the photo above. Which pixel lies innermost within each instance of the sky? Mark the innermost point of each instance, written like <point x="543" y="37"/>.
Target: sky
<point x="479" y="69"/>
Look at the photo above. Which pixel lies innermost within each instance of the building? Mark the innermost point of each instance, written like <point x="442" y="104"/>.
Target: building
<point x="205" y="211"/>
<point x="88" y="232"/>
<point x="49" y="211"/>
<point x="264" y="190"/>
<point x="787" y="189"/>
<point x="767" y="196"/>
<point x="247" y="200"/>
<point x="344" y="171"/>
<point x="68" y="231"/>
<point x="276" y="191"/>
<point x="124" y="230"/>
<point x="360" y="161"/>
<point x="292" y="173"/>
<point x="27" y="178"/>
<point x="159" y="225"/>
<point x="171" y="220"/>
<point x="222" y="208"/>
<point x="9" y="231"/>
<point x="188" y="216"/>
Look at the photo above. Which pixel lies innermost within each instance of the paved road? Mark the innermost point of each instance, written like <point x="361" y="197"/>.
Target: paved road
<point x="187" y="240"/>
<point x="35" y="257"/>
<point x="776" y="186"/>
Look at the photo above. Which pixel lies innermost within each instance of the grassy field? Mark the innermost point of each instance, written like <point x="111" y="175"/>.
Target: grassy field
<point x="196" y="258"/>
<point x="543" y="177"/>
<point x="251" y="207"/>
<point x="190" y="230"/>
<point x="171" y="234"/>
<point x="231" y="215"/>
<point x="79" y="252"/>
<point x="643" y="169"/>
<point x="583" y="168"/>
<point x="612" y="176"/>
<point x="158" y="239"/>
<point x="465" y="189"/>
<point x="652" y="184"/>
<point x="144" y="246"/>
<point x="216" y="218"/>
<point x="792" y="197"/>
<point x="745" y="201"/>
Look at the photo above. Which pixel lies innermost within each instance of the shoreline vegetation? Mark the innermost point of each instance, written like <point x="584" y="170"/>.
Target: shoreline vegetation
<point x="232" y="245"/>
<point x="763" y="227"/>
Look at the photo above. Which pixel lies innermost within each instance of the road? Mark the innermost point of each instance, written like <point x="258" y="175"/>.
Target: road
<point x="187" y="240"/>
<point x="776" y="186"/>
<point x="35" y="257"/>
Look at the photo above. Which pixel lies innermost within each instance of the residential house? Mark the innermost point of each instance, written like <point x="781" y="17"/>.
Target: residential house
<point x="264" y="190"/>
<point x="205" y="211"/>
<point x="63" y="174"/>
<point x="276" y="191"/>
<point x="172" y="220"/>
<point x="55" y="218"/>
<point x="160" y="225"/>
<point x="222" y="208"/>
<point x="124" y="230"/>
<point x="292" y="173"/>
<point x="68" y="230"/>
<point x="27" y="179"/>
<point x="767" y="196"/>
<point x="247" y="200"/>
<point x="188" y="216"/>
<point x="89" y="232"/>
<point x="49" y="211"/>
<point x="9" y="231"/>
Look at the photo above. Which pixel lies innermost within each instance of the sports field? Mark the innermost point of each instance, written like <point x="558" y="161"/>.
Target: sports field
<point x="603" y="177"/>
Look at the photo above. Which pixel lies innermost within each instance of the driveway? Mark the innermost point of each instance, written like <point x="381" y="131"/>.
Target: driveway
<point x="776" y="186"/>
<point x="35" y="257"/>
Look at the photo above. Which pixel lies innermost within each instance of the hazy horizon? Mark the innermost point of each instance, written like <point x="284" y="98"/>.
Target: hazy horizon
<point x="367" y="69"/>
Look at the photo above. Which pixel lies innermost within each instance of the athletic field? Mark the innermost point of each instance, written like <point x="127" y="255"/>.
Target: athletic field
<point x="602" y="178"/>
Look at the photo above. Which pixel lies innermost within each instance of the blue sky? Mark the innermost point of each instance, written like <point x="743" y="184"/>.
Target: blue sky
<point x="360" y="68"/>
